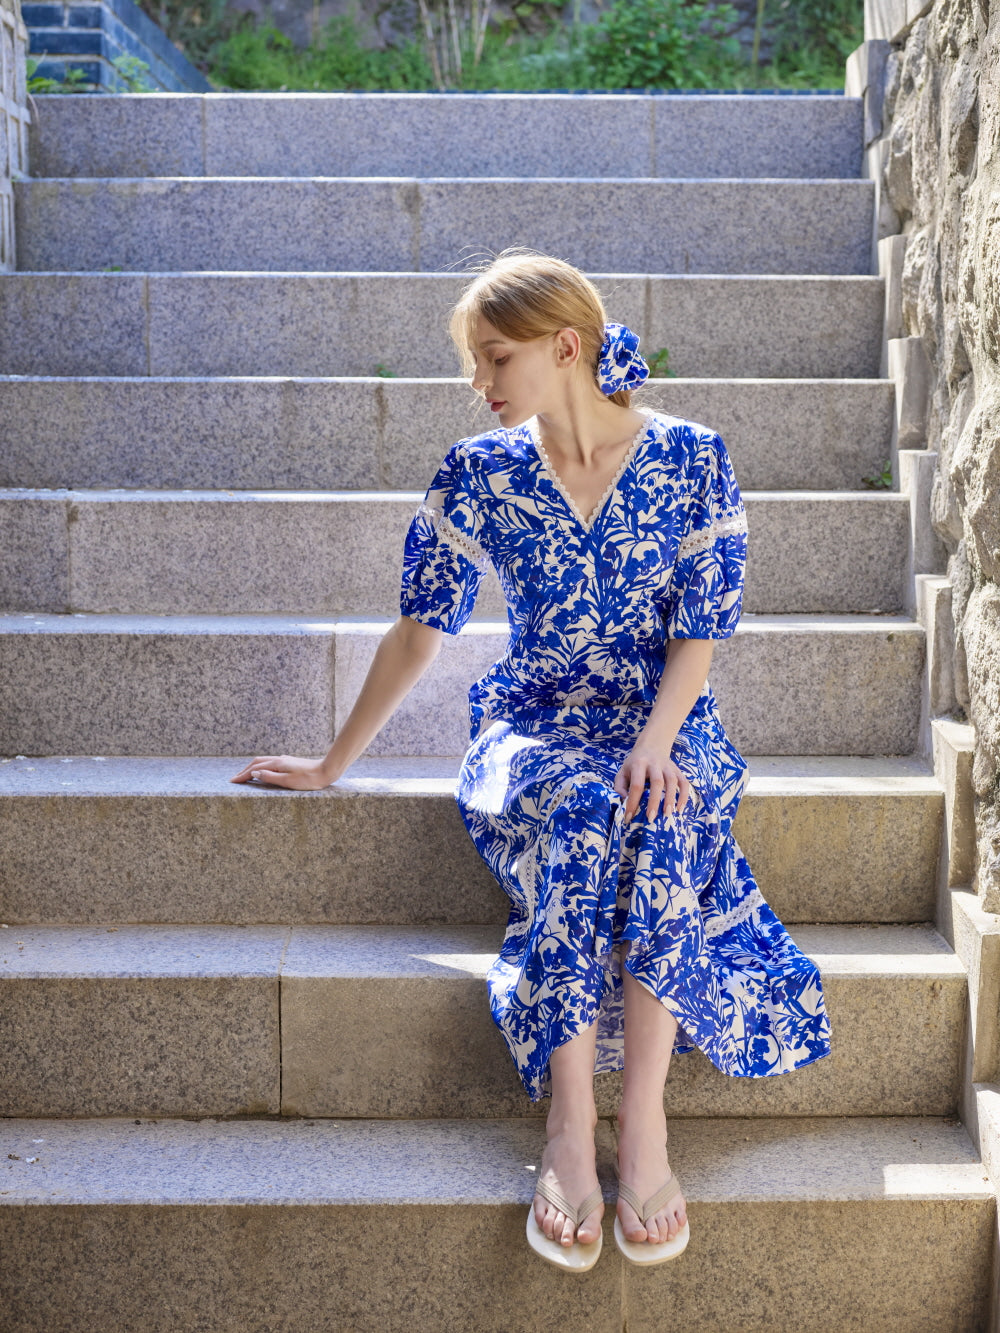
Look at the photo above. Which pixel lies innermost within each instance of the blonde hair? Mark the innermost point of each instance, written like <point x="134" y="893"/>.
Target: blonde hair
<point x="529" y="295"/>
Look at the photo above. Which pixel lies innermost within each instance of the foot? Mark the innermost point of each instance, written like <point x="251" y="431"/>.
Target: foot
<point x="642" y="1164"/>
<point x="570" y="1163"/>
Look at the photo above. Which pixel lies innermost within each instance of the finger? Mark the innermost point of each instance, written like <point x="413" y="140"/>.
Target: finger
<point x="635" y="790"/>
<point x="246" y="772"/>
<point x="657" y="792"/>
<point x="620" y="784"/>
<point x="271" y="775"/>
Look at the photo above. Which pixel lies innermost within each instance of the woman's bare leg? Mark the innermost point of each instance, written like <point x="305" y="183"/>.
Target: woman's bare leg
<point x="570" y="1156"/>
<point x="642" y="1141"/>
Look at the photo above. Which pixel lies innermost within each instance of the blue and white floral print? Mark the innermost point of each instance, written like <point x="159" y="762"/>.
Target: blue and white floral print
<point x="592" y="604"/>
<point x="620" y="366"/>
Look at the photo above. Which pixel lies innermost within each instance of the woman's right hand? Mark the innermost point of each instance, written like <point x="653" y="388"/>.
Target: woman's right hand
<point x="284" y="770"/>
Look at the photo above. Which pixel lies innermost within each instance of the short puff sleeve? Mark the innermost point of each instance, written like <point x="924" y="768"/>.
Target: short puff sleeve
<point x="443" y="558"/>
<point x="706" y="589"/>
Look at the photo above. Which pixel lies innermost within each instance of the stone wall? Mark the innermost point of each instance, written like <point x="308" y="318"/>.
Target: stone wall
<point x="14" y="120"/>
<point x="939" y="184"/>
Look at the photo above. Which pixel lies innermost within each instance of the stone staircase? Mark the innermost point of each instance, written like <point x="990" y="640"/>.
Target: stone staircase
<point x="248" y="1070"/>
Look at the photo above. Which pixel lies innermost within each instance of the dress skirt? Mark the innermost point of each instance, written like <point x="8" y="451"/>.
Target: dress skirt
<point x="672" y="899"/>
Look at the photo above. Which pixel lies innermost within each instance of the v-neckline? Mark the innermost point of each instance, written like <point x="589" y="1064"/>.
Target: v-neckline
<point x="531" y="425"/>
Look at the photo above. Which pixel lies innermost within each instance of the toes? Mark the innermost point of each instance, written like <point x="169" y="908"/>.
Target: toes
<point x="633" y="1228"/>
<point x="565" y="1233"/>
<point x="589" y="1229"/>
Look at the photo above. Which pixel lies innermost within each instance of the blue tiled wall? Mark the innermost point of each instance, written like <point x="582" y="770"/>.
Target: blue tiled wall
<point x="88" y="36"/>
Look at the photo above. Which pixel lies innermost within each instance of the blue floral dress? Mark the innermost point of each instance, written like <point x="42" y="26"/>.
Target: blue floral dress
<point x="591" y="606"/>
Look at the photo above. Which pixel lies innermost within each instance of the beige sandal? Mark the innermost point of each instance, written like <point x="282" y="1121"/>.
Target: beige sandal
<point x="575" y="1258"/>
<point x="641" y="1251"/>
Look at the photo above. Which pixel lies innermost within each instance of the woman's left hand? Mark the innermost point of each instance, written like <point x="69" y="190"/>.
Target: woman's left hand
<point x="648" y="767"/>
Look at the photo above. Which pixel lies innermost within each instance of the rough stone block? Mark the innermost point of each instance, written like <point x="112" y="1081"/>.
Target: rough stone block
<point x="134" y="1020"/>
<point x="266" y="323"/>
<point x="954" y="746"/>
<point x="773" y="325"/>
<point x="360" y="434"/>
<point x="174" y="553"/>
<point x="910" y="369"/>
<point x="388" y="1022"/>
<point x="785" y="685"/>
<point x="676" y="226"/>
<point x="127" y="839"/>
<point x="108" y="1234"/>
<point x="162" y="685"/>
<point x="274" y="224"/>
<point x="157" y="134"/>
<point x="34" y="553"/>
<point x="187" y="224"/>
<point x="35" y="313"/>
<point x="419" y="134"/>
<point x="733" y="136"/>
<point x="976" y="937"/>
<point x="238" y="433"/>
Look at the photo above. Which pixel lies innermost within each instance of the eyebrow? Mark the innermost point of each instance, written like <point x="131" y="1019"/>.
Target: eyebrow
<point x="490" y="342"/>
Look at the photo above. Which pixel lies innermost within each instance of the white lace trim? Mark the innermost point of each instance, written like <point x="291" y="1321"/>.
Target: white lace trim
<point x="457" y="540"/>
<point x="706" y="537"/>
<point x="735" y="916"/>
<point x="630" y="452"/>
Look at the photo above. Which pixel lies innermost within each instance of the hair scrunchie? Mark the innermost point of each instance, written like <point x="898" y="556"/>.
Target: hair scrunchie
<point x="620" y="365"/>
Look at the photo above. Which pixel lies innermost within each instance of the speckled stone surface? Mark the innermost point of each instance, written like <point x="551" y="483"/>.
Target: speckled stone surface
<point x="155" y="134"/>
<point x="676" y="226"/>
<point x="382" y="1021"/>
<point x="237" y="433"/>
<point x="359" y="434"/>
<point x="37" y="309"/>
<point x="401" y="224"/>
<point x="115" y="839"/>
<point x="108" y="1204"/>
<point x="339" y="553"/>
<point x="187" y="223"/>
<point x="846" y="685"/>
<point x="522" y="134"/>
<point x="140" y="1020"/>
<point x="304" y="323"/>
<point x="34" y="553"/>
<point x="168" y="685"/>
<point x="809" y="324"/>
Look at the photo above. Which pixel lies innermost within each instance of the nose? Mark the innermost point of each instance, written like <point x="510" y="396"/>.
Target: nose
<point x="480" y="380"/>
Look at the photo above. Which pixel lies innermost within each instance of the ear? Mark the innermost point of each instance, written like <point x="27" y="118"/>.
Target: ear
<point x="567" y="348"/>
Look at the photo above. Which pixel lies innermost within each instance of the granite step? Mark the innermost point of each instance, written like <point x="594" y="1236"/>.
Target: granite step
<point x="511" y="134"/>
<point x="396" y="324"/>
<point x="374" y="434"/>
<point x="823" y="1225"/>
<point x="90" y="840"/>
<point x="407" y="223"/>
<point x="340" y="553"/>
<point x="190" y="685"/>
<point x="394" y="1022"/>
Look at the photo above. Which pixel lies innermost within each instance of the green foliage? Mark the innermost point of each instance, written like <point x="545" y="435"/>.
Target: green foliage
<point x="384" y="372"/>
<point x="635" y="43"/>
<point x="880" y="480"/>
<point x="265" y="58"/>
<point x="131" y="70"/>
<point x="660" y="44"/>
<point x="659" y="367"/>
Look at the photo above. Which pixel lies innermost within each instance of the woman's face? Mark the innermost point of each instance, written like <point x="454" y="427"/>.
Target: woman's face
<point x="519" y="379"/>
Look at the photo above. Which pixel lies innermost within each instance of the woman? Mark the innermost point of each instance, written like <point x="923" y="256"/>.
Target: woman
<point x="599" y="785"/>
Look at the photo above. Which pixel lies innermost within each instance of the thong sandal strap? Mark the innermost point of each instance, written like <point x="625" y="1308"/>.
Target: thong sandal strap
<point x="557" y="1199"/>
<point x="655" y="1201"/>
